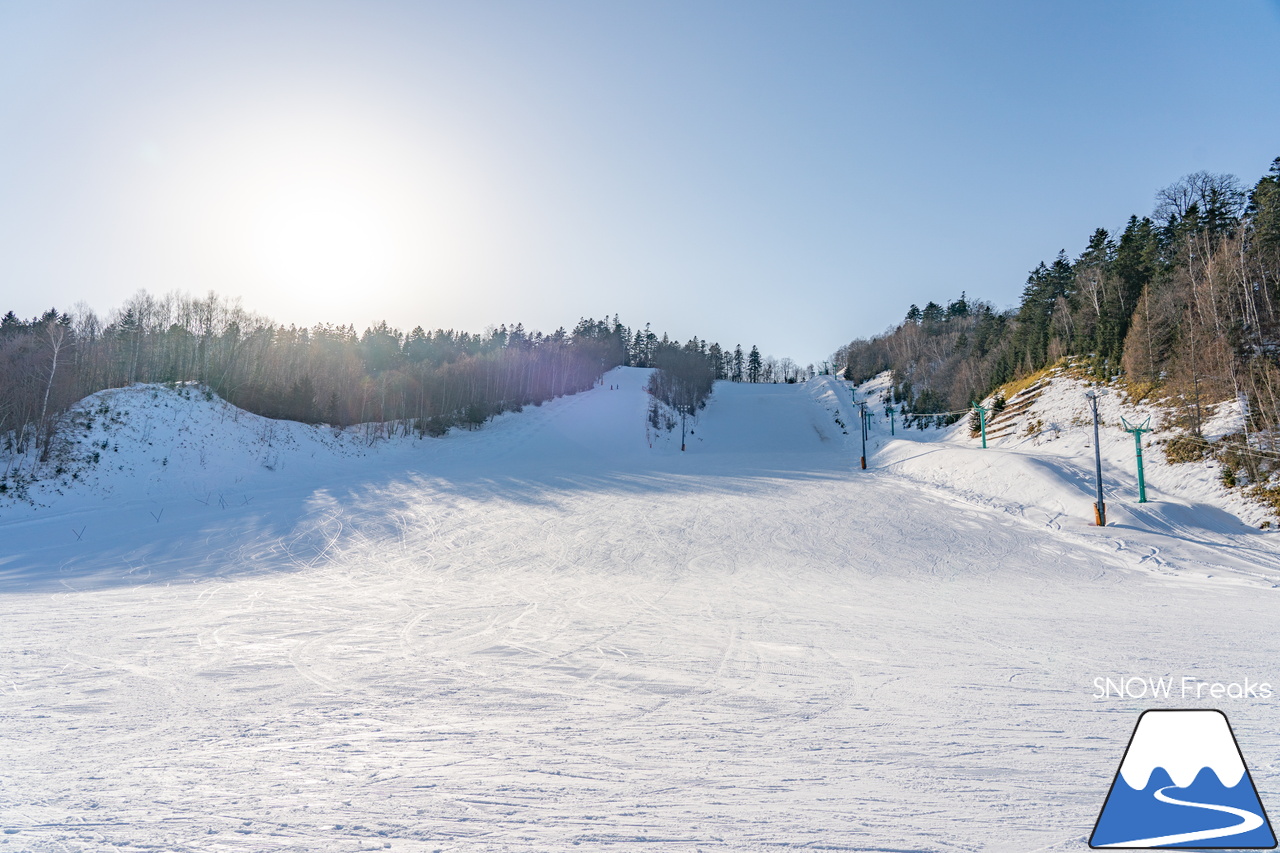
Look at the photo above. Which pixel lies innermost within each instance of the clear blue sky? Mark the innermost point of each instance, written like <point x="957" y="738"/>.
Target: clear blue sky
<point x="785" y="174"/>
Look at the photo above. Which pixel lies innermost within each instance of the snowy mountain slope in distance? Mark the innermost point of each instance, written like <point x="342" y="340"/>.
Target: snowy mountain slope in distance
<point x="547" y="634"/>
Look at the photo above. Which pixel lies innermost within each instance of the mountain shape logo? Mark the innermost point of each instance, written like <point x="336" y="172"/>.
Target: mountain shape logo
<point x="1183" y="783"/>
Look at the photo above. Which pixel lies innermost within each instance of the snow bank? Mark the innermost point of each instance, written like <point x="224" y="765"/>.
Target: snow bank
<point x="1040" y="459"/>
<point x="1039" y="466"/>
<point x="162" y="442"/>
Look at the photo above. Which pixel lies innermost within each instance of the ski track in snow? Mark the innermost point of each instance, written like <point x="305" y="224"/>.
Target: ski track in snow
<point x="546" y="635"/>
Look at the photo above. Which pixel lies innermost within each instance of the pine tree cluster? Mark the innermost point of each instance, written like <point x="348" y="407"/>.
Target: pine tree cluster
<point x="1183" y="304"/>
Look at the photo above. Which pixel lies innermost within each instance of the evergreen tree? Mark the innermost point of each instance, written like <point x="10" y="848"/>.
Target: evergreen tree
<point x="1263" y="211"/>
<point x="1133" y="266"/>
<point x="300" y="404"/>
<point x="380" y="347"/>
<point x="754" y="365"/>
<point x="716" y="357"/>
<point x="417" y="345"/>
<point x="1186" y="302"/>
<point x="684" y="380"/>
<point x="931" y="316"/>
<point x="1045" y="286"/>
<point x="11" y="325"/>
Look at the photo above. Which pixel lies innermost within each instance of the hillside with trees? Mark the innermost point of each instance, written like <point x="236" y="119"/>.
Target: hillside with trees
<point x="399" y="383"/>
<point x="1183" y="305"/>
<point x="682" y="382"/>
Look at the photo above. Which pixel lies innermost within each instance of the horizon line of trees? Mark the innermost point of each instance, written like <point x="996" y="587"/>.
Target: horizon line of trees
<point x="420" y="381"/>
<point x="1183" y="304"/>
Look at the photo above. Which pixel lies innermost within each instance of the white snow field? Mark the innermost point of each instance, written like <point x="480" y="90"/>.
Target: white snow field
<point x="548" y="635"/>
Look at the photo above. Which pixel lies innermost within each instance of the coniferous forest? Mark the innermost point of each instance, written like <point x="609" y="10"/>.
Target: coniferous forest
<point x="1182" y="305"/>
<point x="421" y="381"/>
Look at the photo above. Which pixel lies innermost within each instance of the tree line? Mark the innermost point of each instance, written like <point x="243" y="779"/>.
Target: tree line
<point x="397" y="382"/>
<point x="1183" y="304"/>
<point x="682" y="382"/>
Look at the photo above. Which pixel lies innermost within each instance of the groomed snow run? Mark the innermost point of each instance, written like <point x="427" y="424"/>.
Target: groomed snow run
<point x="557" y="633"/>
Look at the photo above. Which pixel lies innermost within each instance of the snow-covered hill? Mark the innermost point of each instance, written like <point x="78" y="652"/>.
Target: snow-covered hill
<point x="1045" y="437"/>
<point x="1039" y="466"/>
<point x="557" y="632"/>
<point x="162" y="442"/>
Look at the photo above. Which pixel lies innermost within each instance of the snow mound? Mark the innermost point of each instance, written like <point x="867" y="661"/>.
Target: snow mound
<point x="150" y="441"/>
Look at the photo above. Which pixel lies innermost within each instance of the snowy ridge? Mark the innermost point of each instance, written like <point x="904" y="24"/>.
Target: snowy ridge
<point x="1183" y="743"/>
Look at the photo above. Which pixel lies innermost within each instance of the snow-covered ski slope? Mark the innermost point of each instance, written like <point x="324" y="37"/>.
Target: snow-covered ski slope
<point x="1040" y="468"/>
<point x="558" y="633"/>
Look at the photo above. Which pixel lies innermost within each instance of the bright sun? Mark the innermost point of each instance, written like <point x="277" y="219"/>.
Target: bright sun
<point x="319" y="234"/>
<point x="337" y="210"/>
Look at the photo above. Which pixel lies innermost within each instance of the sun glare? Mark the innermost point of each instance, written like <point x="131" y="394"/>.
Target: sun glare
<point x="311" y="218"/>
<point x="318" y="235"/>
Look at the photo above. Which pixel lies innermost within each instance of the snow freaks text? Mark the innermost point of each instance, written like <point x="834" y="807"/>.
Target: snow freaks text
<point x="1186" y="687"/>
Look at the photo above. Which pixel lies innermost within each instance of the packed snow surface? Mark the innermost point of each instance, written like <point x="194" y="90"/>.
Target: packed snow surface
<point x="561" y="632"/>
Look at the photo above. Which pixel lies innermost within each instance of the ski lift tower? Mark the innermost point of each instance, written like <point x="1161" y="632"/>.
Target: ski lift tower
<point x="1099" y="508"/>
<point x="1137" y="432"/>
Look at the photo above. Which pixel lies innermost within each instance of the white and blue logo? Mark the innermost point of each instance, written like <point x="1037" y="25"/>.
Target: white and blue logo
<point x="1183" y="783"/>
